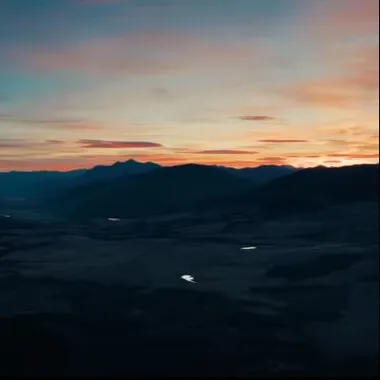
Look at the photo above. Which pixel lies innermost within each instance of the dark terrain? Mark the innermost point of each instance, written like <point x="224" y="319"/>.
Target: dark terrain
<point x="90" y="297"/>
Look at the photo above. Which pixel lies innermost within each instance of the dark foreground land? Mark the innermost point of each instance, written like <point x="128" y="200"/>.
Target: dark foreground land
<point x="105" y="298"/>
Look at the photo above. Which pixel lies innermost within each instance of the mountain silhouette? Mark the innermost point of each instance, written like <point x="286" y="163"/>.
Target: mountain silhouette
<point x="166" y="189"/>
<point x="31" y="184"/>
<point x="39" y="184"/>
<point x="263" y="174"/>
<point x="315" y="188"/>
<point x="118" y="169"/>
<point x="134" y="189"/>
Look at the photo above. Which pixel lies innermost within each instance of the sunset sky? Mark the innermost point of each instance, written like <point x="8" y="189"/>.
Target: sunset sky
<point x="230" y="82"/>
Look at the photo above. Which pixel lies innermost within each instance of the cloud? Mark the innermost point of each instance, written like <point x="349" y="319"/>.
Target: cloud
<point x="355" y="82"/>
<point x="354" y="155"/>
<point x="83" y="126"/>
<point x="282" y="141"/>
<point x="101" y="2"/>
<point x="64" y="123"/>
<point x="164" y="52"/>
<point x="225" y="151"/>
<point x="55" y="142"/>
<point x="353" y="131"/>
<point x="335" y="19"/>
<point x="22" y="144"/>
<point x="368" y="147"/>
<point x="118" y="144"/>
<point x="42" y="164"/>
<point x="13" y="144"/>
<point x="273" y="160"/>
<point x="256" y="118"/>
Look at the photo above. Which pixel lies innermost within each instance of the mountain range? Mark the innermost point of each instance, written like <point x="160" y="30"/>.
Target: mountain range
<point x="34" y="184"/>
<point x="131" y="188"/>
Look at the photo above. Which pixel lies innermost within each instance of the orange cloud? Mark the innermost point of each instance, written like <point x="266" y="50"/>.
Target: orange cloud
<point x="357" y="82"/>
<point x="117" y="144"/>
<point x="274" y="160"/>
<point x="282" y="141"/>
<point x="368" y="147"/>
<point x="354" y="155"/>
<point x="332" y="162"/>
<point x="42" y="164"/>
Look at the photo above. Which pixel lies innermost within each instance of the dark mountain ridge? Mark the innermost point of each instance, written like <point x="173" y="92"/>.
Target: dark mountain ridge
<point x="194" y="187"/>
<point x="316" y="188"/>
<point x="162" y="190"/>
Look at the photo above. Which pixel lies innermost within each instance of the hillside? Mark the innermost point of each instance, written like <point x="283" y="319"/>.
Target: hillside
<point x="167" y="189"/>
<point x="265" y="173"/>
<point x="34" y="185"/>
<point x="118" y="169"/>
<point x="315" y="188"/>
<point x="31" y="184"/>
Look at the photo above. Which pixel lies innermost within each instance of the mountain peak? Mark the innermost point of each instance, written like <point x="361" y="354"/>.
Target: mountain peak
<point x="130" y="161"/>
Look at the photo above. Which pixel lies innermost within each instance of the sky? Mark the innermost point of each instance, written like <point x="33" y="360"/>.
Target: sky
<point x="225" y="82"/>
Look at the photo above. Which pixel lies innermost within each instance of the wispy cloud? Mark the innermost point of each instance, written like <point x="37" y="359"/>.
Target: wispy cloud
<point x="100" y="2"/>
<point x="11" y="144"/>
<point x="177" y="52"/>
<point x="272" y="160"/>
<point x="55" y="142"/>
<point x="355" y="83"/>
<point x="22" y="144"/>
<point x="225" y="151"/>
<point x="354" y="155"/>
<point x="85" y="143"/>
<point x="256" y="118"/>
<point x="336" y="19"/>
<point x="63" y="123"/>
<point x="282" y="141"/>
<point x="332" y="162"/>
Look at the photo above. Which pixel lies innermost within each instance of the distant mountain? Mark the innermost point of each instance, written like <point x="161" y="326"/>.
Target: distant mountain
<point x="132" y="188"/>
<point x="34" y="185"/>
<point x="199" y="187"/>
<point x="29" y="184"/>
<point x="265" y="173"/>
<point x="118" y="169"/>
<point x="166" y="189"/>
<point x="315" y="188"/>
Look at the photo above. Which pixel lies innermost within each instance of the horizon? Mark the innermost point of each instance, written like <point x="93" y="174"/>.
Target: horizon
<point x="190" y="163"/>
<point x="236" y="83"/>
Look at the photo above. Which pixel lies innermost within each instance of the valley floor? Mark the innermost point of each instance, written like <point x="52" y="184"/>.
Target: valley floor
<point x="106" y="299"/>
